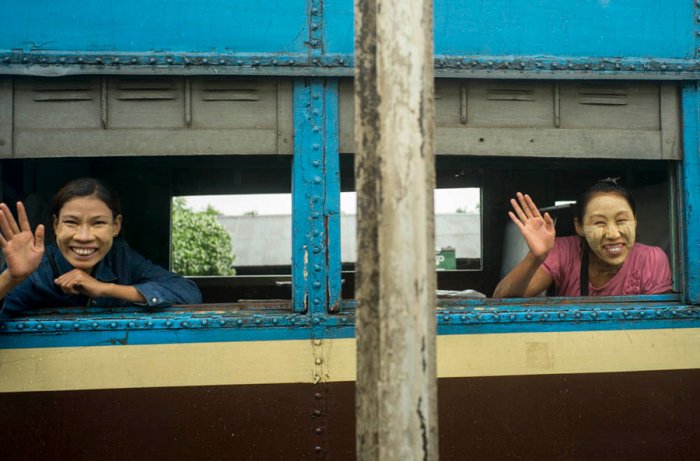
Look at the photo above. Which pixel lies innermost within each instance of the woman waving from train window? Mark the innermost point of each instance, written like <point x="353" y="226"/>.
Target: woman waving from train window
<point x="604" y="259"/>
<point x="86" y="266"/>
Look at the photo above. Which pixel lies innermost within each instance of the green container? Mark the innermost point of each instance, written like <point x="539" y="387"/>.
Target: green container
<point x="445" y="259"/>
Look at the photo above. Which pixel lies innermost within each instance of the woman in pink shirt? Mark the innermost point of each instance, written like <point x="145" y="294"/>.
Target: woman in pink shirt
<point x="604" y="259"/>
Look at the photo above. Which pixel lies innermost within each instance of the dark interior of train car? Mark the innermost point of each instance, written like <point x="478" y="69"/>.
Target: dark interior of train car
<point x="148" y="184"/>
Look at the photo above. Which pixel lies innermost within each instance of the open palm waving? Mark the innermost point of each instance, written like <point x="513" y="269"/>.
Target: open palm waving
<point x="537" y="230"/>
<point x="22" y="249"/>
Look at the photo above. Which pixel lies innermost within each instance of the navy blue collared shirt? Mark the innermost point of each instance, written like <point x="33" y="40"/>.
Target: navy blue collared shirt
<point x="122" y="266"/>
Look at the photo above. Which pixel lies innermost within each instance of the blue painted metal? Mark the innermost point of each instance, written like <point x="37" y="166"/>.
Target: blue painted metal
<point x="474" y="38"/>
<point x="165" y="26"/>
<point x="567" y="28"/>
<point x="691" y="192"/>
<point x="83" y="328"/>
<point x="316" y="192"/>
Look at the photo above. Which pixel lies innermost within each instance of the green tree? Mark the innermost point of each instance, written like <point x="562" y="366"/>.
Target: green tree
<point x="201" y="245"/>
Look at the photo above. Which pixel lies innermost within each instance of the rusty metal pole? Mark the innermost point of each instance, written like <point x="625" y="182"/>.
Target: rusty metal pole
<point x="395" y="285"/>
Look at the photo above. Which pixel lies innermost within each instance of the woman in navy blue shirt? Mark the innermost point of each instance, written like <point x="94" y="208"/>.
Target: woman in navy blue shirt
<point x="86" y="266"/>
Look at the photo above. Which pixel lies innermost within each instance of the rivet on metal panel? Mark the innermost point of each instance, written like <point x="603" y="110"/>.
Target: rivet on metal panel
<point x="317" y="284"/>
<point x="187" y="62"/>
<point x="446" y="318"/>
<point x="545" y="316"/>
<point x="20" y="326"/>
<point x="275" y="321"/>
<point x="94" y="325"/>
<point x="318" y="450"/>
<point x="489" y="63"/>
<point x="256" y="63"/>
<point x="317" y="320"/>
<point x="462" y="317"/>
<point x="317" y="180"/>
<point x="316" y="146"/>
<point x="205" y="322"/>
<point x="318" y="430"/>
<point x="76" y="326"/>
<point x="205" y="61"/>
<point x="316" y="129"/>
<point x="314" y="11"/>
<point x="134" y="61"/>
<point x="258" y="321"/>
<point x="168" y="323"/>
<point x="6" y="59"/>
<point x="317" y="301"/>
<point x="39" y="326"/>
<point x="577" y="315"/>
<point x="152" y="60"/>
<point x="317" y="268"/>
<point x="293" y="320"/>
<point x="341" y="61"/>
<point x="314" y="26"/>
<point x="317" y="413"/>
<point x="318" y="361"/>
<point x="169" y="60"/>
<point x="562" y="315"/>
<point x="44" y="61"/>
<point x="116" y="61"/>
<point x="239" y="322"/>
<point x="316" y="62"/>
<point x="239" y="63"/>
<point x="317" y="342"/>
<point x="113" y="325"/>
<point x="528" y="316"/>
<point x="273" y="62"/>
<point x="479" y="317"/>
<point x="58" y="326"/>
<point x="642" y="313"/>
<point x="318" y="396"/>
<point x="132" y="325"/>
<point x="149" y="324"/>
<point x="594" y="315"/>
<point x="99" y="60"/>
<point x="291" y="62"/>
<point x="26" y="60"/>
<point x="62" y="60"/>
<point x="222" y="322"/>
<point x="511" y="316"/>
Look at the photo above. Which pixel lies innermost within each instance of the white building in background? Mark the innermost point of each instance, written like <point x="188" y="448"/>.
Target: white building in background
<point x="266" y="240"/>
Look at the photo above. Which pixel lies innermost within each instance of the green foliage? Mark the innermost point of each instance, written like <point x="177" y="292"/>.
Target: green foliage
<point x="201" y="245"/>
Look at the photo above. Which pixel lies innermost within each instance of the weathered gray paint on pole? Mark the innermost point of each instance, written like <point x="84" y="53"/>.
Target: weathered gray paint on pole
<point x="396" y="377"/>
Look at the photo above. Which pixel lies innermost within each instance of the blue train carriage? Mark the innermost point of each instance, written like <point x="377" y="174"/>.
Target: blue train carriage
<point x="168" y="99"/>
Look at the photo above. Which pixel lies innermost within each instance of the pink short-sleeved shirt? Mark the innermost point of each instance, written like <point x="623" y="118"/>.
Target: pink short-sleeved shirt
<point x="646" y="271"/>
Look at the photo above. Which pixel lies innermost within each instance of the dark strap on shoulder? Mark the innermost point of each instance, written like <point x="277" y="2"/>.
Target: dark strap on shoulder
<point x="584" y="268"/>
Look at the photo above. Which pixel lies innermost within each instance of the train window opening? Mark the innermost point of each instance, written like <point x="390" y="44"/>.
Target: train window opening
<point x="256" y="228"/>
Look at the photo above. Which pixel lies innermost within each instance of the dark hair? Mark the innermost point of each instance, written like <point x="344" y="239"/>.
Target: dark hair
<point x="604" y="186"/>
<point x="86" y="187"/>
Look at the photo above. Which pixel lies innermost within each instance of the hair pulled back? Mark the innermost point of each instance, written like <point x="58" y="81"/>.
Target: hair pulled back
<point x="86" y="187"/>
<point x="604" y="186"/>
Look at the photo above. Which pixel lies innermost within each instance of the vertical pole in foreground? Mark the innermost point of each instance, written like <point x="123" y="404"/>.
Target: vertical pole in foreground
<point x="395" y="284"/>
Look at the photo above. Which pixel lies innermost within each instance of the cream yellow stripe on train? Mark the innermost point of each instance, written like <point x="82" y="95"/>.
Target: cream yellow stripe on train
<point x="306" y="361"/>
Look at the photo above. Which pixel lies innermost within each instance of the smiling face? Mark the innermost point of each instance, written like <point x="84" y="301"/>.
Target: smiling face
<point x="85" y="230"/>
<point x="609" y="226"/>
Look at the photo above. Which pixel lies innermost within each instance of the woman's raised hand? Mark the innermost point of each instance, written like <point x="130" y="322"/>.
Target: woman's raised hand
<point x="22" y="249"/>
<point x="537" y="230"/>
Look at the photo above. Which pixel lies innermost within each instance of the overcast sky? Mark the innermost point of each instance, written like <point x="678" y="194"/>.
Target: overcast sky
<point x="446" y="201"/>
